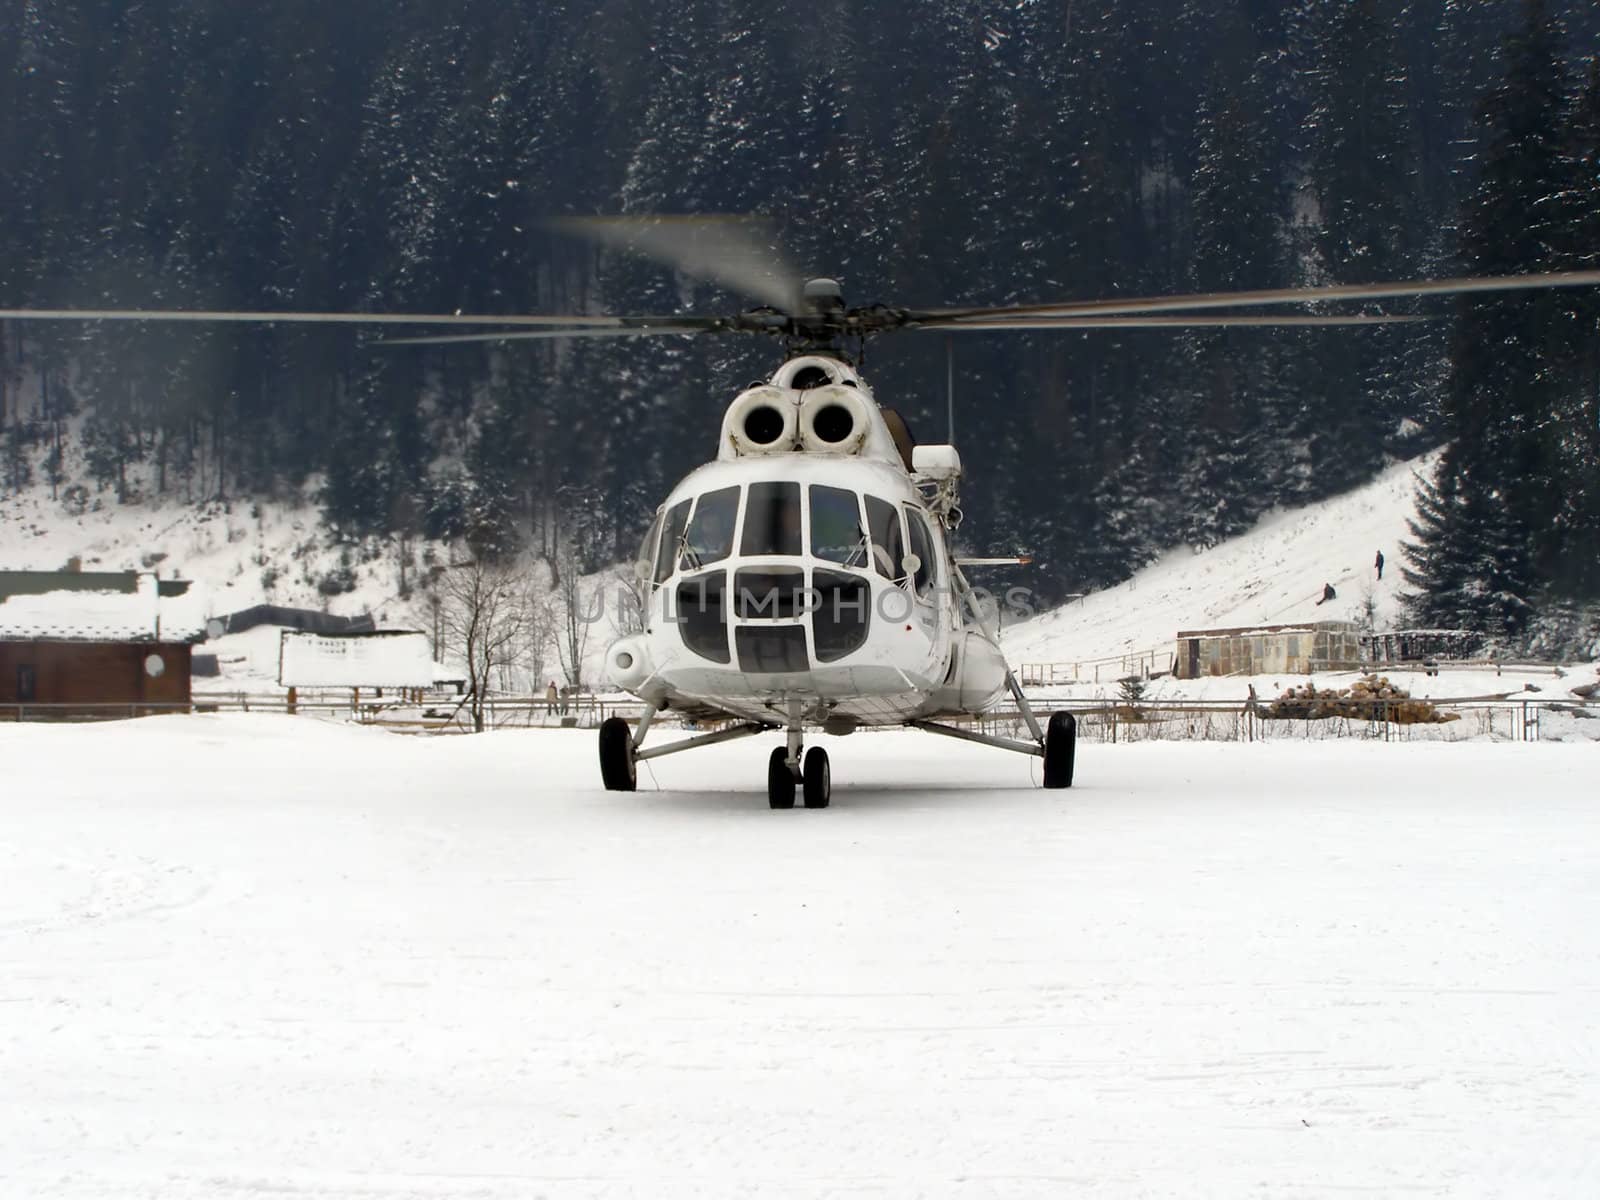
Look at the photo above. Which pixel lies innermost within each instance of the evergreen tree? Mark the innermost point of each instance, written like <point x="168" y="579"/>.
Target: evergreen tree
<point x="1237" y="245"/>
<point x="1507" y="532"/>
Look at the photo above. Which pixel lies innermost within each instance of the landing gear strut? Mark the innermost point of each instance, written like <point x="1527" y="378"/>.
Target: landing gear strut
<point x="1057" y="744"/>
<point x="791" y="768"/>
<point x="785" y="769"/>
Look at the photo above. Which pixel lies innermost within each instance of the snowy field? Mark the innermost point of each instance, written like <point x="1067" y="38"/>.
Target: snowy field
<point x="265" y="956"/>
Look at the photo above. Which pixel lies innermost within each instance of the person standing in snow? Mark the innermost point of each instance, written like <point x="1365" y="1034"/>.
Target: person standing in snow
<point x="550" y="696"/>
<point x="1378" y="562"/>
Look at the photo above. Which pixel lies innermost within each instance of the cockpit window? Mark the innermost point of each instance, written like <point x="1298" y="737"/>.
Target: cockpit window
<point x="710" y="536"/>
<point x="836" y="532"/>
<point x="888" y="544"/>
<point x="922" y="547"/>
<point x="671" y="540"/>
<point x="647" y="550"/>
<point x="702" y="613"/>
<point x="772" y="520"/>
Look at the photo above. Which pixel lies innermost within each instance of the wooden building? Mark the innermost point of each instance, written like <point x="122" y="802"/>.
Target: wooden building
<point x="1269" y="650"/>
<point x="78" y="644"/>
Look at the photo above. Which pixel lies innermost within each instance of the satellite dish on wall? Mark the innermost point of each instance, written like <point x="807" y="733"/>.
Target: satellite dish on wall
<point x="154" y="666"/>
<point x="215" y="628"/>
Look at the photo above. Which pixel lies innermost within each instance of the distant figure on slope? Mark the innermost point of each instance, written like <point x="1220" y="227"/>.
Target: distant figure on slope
<point x="1327" y="594"/>
<point x="1378" y="562"/>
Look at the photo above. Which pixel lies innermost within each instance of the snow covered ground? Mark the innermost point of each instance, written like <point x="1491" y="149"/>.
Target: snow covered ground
<point x="265" y="956"/>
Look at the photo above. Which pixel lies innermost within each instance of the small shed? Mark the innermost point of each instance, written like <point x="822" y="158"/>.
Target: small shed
<point x="383" y="658"/>
<point x="1269" y="650"/>
<point x="75" y="644"/>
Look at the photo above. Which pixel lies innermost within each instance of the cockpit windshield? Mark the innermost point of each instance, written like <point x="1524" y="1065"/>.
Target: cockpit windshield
<point x="672" y="530"/>
<point x="845" y="528"/>
<point x="772" y="520"/>
<point x="710" y="535"/>
<point x="836" y="530"/>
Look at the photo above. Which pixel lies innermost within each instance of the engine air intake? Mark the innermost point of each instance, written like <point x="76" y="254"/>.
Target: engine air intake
<point x="834" y="420"/>
<point x="764" y="425"/>
<point x="763" y="420"/>
<point x="833" y="423"/>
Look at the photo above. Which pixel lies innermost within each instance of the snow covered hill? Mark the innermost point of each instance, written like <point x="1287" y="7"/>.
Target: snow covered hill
<point x="242" y="553"/>
<point x="1272" y="575"/>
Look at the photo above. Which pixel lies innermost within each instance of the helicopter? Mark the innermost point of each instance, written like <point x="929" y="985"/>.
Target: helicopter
<point x="805" y="577"/>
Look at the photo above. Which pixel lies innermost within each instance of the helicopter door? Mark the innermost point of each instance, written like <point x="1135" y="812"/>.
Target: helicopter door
<point x="888" y="543"/>
<point x="925" y="586"/>
<point x="922" y="545"/>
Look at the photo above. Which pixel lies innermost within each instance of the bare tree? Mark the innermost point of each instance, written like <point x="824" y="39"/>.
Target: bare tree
<point x="483" y="616"/>
<point x="574" y="610"/>
<point x="1367" y="608"/>
<point x="528" y="673"/>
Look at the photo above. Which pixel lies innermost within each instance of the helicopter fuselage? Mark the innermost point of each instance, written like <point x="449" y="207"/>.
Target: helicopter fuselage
<point x="812" y="583"/>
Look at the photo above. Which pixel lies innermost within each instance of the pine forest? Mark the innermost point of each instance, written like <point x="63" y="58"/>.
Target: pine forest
<point x="402" y="156"/>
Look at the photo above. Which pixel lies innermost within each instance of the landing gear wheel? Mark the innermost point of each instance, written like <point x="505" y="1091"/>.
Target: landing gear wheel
<point x="818" y="779"/>
<point x="1060" y="746"/>
<point x="617" y="765"/>
<point x="780" y="780"/>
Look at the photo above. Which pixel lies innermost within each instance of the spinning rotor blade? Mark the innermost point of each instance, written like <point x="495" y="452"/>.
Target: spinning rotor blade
<point x="1159" y="322"/>
<point x="667" y="327"/>
<point x="296" y="318"/>
<point x="736" y="252"/>
<point x="955" y="317"/>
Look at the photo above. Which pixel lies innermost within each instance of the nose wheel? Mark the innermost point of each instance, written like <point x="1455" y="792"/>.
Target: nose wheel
<point x="780" y="780"/>
<point x="815" y="784"/>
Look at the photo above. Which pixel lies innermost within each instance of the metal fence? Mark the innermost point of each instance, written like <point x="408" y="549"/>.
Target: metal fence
<point x="1159" y="661"/>
<point x="1519" y="720"/>
<point x="446" y="716"/>
<point x="1377" y="720"/>
<point x="1142" y="663"/>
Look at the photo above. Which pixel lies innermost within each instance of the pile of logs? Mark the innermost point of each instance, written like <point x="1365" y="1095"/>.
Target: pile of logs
<point x="1372" y="698"/>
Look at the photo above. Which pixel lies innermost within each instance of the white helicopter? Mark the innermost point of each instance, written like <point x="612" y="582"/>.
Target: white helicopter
<point x="804" y="579"/>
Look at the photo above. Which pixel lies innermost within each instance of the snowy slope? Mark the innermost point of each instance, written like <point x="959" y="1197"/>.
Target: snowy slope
<point x="1272" y="575"/>
<point x="242" y="553"/>
<point x="320" y="962"/>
